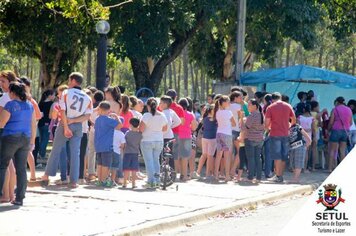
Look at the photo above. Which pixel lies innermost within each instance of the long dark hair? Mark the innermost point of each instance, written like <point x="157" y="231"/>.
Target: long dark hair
<point x="19" y="90"/>
<point x="115" y="93"/>
<point x="46" y="94"/>
<point x="190" y="104"/>
<point x="268" y="100"/>
<point x="258" y="106"/>
<point x="152" y="103"/>
<point x="184" y="103"/>
<point x="125" y="103"/>
<point x="208" y="109"/>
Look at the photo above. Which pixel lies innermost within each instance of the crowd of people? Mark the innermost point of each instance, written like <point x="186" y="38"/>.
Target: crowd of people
<point x="99" y="136"/>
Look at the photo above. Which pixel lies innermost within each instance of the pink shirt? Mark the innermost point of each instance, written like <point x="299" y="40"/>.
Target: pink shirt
<point x="185" y="131"/>
<point x="127" y="117"/>
<point x="342" y="115"/>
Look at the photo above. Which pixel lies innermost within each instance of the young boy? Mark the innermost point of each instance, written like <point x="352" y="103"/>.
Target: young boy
<point x="119" y="145"/>
<point x="104" y="126"/>
<point x="299" y="140"/>
<point x="133" y="139"/>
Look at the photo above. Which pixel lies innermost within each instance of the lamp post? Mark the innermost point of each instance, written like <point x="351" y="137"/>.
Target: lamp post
<point x="102" y="28"/>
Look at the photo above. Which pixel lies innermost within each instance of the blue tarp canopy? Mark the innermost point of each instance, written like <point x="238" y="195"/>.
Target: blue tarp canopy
<point x="301" y="74"/>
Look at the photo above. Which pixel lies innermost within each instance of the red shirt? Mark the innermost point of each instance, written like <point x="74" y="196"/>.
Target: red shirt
<point x="280" y="113"/>
<point x="178" y="109"/>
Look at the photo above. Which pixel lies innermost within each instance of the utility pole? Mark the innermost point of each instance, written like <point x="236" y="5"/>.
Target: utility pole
<point x="240" y="39"/>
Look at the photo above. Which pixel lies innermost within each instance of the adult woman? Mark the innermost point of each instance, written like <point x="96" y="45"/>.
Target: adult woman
<point x="113" y="96"/>
<point x="352" y="105"/>
<point x="6" y="77"/>
<point x="339" y="124"/>
<point x="45" y="105"/>
<point x="152" y="126"/>
<point x="268" y="167"/>
<point x="186" y="151"/>
<point x="254" y="128"/>
<point x="19" y="132"/>
<point x="136" y="106"/>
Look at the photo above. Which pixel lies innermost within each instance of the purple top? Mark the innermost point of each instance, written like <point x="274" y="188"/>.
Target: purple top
<point x="342" y="116"/>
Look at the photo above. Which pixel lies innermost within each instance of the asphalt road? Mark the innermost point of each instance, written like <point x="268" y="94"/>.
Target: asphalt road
<point x="266" y="220"/>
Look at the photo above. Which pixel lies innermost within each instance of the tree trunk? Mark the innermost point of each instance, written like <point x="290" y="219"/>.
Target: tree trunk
<point x="192" y="91"/>
<point x="151" y="64"/>
<point x="288" y="43"/>
<point x="28" y="67"/>
<point x="178" y="77"/>
<point x="185" y="71"/>
<point x="170" y="76"/>
<point x="89" y="64"/>
<point x="174" y="75"/>
<point x="165" y="81"/>
<point x="336" y="61"/>
<point x="141" y="73"/>
<point x="321" y="53"/>
<point x="227" y="70"/>
<point x="202" y="84"/>
<point x="353" y="61"/>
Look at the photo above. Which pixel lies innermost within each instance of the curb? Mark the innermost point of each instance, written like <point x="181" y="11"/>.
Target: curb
<point x="204" y="214"/>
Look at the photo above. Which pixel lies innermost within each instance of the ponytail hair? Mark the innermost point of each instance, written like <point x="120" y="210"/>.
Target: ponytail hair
<point x="254" y="102"/>
<point x="19" y="90"/>
<point x="125" y="100"/>
<point x="115" y="93"/>
<point x="152" y="103"/>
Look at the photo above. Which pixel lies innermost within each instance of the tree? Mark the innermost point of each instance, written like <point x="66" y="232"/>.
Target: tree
<point x="268" y="22"/>
<point x="159" y="30"/>
<point x="46" y="31"/>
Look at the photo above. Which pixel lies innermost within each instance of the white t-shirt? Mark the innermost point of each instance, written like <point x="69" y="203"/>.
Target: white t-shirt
<point x="172" y="121"/>
<point x="5" y="98"/>
<point x="119" y="138"/>
<point x="76" y="103"/>
<point x="85" y="127"/>
<point x="223" y="117"/>
<point x="234" y="108"/>
<point x="154" y="125"/>
<point x="136" y="114"/>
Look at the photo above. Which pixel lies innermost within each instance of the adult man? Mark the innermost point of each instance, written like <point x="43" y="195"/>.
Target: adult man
<point x="76" y="107"/>
<point x="180" y="112"/>
<point x="279" y="117"/>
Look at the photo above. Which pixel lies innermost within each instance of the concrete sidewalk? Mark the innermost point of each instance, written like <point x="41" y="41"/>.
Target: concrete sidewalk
<point x="90" y="210"/>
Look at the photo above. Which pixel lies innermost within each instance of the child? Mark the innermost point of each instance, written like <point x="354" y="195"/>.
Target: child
<point x="104" y="126"/>
<point x="306" y="121"/>
<point x="119" y="145"/>
<point x="299" y="140"/>
<point x="208" y="142"/>
<point x="133" y="139"/>
<point x="226" y="121"/>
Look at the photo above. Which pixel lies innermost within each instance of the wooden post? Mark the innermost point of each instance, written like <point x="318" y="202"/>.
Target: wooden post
<point x="240" y="39"/>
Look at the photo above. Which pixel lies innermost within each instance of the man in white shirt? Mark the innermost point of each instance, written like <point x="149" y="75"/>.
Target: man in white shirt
<point x="76" y="107"/>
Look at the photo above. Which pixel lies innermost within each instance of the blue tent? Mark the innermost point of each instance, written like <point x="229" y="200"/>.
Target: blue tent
<point x="301" y="74"/>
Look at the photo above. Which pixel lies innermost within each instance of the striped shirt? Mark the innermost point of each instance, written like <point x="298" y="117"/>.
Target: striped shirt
<point x="253" y="128"/>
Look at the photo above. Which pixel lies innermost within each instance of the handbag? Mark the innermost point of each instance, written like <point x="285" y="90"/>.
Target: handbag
<point x="343" y="126"/>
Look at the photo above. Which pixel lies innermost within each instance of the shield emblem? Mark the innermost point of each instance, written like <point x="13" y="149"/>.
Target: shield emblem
<point x="330" y="196"/>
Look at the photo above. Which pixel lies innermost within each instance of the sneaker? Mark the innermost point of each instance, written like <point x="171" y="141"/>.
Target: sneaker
<point x="274" y="178"/>
<point x="61" y="182"/>
<point x="108" y="183"/>
<point x="149" y="186"/>
<point x="81" y="181"/>
<point x="98" y="183"/>
<point x="195" y="175"/>
<point x="279" y="179"/>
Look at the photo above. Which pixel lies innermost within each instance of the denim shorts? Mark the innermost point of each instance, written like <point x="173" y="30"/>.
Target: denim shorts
<point x="185" y="148"/>
<point x="115" y="161"/>
<point x="130" y="162"/>
<point x="338" y="136"/>
<point x="279" y="147"/>
<point x="223" y="142"/>
<point x="104" y="158"/>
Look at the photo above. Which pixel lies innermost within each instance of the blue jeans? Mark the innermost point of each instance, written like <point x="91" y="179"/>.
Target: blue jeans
<point x="279" y="148"/>
<point x="74" y="149"/>
<point x="44" y="138"/>
<point x="15" y="147"/>
<point x="120" y="171"/>
<point x="267" y="155"/>
<point x="63" y="162"/>
<point x="254" y="162"/>
<point x="151" y="151"/>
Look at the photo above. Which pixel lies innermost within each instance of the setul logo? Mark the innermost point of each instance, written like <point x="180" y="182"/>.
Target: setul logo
<point x="330" y="197"/>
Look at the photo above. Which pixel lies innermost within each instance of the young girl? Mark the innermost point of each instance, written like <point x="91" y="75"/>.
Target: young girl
<point x="126" y="113"/>
<point x="225" y="122"/>
<point x="306" y="121"/>
<point x="210" y="127"/>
